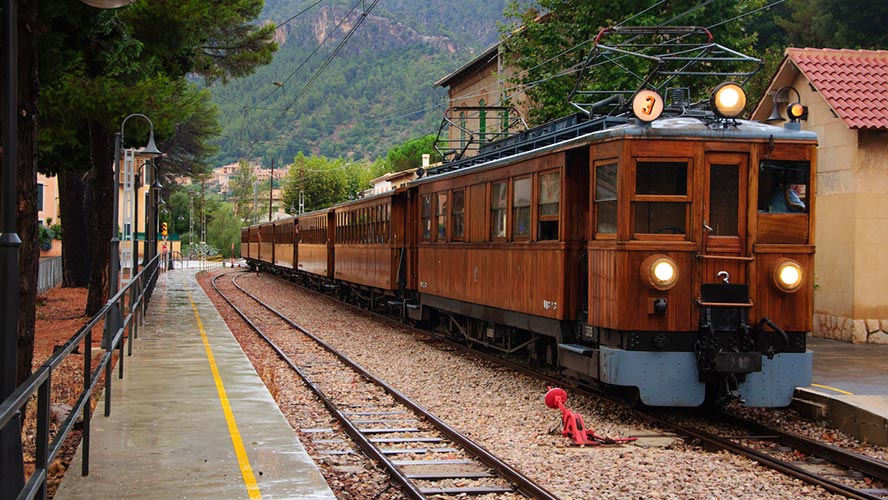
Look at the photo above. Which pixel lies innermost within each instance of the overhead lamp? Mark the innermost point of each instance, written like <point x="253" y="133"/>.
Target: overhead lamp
<point x="728" y="100"/>
<point x="795" y="110"/>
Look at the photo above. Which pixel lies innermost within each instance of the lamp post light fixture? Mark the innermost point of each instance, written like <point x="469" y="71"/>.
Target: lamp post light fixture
<point x="794" y="110"/>
<point x="152" y="224"/>
<point x="113" y="322"/>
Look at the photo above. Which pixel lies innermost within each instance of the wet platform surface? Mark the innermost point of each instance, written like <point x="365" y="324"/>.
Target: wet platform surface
<point x="850" y="388"/>
<point x="173" y="433"/>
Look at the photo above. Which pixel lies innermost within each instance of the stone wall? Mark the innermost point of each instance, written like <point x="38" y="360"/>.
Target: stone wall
<point x="857" y="331"/>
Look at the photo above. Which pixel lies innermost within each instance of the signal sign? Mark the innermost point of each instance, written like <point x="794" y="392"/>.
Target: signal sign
<point x="163" y="228"/>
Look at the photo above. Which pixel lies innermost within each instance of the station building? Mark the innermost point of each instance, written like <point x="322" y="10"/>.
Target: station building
<point x="846" y="92"/>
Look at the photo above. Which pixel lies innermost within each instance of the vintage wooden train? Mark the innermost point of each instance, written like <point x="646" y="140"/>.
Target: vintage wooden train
<point x="671" y="255"/>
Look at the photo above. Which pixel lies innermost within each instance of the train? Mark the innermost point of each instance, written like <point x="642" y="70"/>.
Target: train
<point x="667" y="254"/>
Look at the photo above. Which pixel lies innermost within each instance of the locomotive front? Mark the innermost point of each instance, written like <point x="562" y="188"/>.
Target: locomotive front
<point x="700" y="260"/>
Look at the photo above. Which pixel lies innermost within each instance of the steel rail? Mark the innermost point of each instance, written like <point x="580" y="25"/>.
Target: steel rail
<point x="876" y="469"/>
<point x="522" y="483"/>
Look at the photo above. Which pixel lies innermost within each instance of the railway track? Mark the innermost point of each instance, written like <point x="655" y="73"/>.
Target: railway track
<point x="834" y="469"/>
<point x="391" y="429"/>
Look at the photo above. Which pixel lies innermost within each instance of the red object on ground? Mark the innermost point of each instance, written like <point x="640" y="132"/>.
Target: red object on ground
<point x="573" y="425"/>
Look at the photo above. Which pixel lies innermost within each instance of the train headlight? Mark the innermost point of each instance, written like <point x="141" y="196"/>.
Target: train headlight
<point x="788" y="276"/>
<point x="659" y="272"/>
<point x="728" y="100"/>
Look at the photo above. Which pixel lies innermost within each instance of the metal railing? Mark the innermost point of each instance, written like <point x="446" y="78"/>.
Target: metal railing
<point x="133" y="299"/>
<point x="49" y="275"/>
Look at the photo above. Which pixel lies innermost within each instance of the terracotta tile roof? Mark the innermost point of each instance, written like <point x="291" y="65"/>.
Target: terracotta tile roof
<point x="853" y="82"/>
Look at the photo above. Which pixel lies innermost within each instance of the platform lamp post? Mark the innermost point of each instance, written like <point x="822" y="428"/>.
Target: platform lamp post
<point x="155" y="192"/>
<point x="12" y="475"/>
<point x="113" y="322"/>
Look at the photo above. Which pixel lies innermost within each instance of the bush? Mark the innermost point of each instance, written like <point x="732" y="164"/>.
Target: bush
<point x="45" y="237"/>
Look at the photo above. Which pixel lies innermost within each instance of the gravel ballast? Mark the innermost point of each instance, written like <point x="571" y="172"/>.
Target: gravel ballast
<point x="504" y="411"/>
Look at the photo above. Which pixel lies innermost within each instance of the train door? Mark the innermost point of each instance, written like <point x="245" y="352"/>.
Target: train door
<point x="724" y="258"/>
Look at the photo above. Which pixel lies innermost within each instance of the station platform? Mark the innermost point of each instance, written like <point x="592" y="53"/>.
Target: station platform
<point x="849" y="388"/>
<point x="191" y="418"/>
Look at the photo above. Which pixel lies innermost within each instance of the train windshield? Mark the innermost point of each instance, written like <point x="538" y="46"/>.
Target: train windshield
<point x="783" y="186"/>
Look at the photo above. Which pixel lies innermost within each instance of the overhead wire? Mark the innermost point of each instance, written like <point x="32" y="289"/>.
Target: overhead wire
<point x="330" y="58"/>
<point x="294" y="16"/>
<point x="307" y="58"/>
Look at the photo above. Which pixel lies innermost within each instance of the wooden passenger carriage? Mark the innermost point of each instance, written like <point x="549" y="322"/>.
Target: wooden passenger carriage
<point x="370" y="241"/>
<point x="285" y="243"/>
<point x="504" y="241"/>
<point x="314" y="254"/>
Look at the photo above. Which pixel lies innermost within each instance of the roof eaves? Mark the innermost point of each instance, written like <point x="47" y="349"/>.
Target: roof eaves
<point x="480" y="60"/>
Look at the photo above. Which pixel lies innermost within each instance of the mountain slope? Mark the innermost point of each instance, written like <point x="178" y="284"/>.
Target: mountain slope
<point x="358" y="106"/>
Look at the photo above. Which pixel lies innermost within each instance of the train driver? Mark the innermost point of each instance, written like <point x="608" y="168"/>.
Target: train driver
<point x="781" y="197"/>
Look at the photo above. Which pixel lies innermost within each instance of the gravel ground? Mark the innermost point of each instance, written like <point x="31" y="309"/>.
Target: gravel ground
<point x="504" y="411"/>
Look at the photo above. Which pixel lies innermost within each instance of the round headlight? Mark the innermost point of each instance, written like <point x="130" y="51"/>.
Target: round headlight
<point x="788" y="276"/>
<point x="659" y="272"/>
<point x="728" y="100"/>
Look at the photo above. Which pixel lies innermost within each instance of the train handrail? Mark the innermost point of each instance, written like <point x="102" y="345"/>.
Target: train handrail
<point x="133" y="298"/>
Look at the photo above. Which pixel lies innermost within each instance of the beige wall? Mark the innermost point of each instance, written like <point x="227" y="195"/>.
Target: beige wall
<point x="50" y="208"/>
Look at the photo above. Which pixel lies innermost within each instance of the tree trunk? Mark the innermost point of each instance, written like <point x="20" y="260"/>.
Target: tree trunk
<point x="99" y="207"/>
<point x="26" y="186"/>
<point x="77" y="239"/>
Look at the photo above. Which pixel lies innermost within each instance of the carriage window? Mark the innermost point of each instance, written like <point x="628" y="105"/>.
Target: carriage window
<point x="783" y="186"/>
<point x="441" y="212"/>
<point x="661" y="178"/>
<point x="550" y="195"/>
<point x="498" y="200"/>
<point x="606" y="198"/>
<point x="427" y="217"/>
<point x="724" y="194"/>
<point x="459" y="214"/>
<point x="521" y="208"/>
<point x="660" y="203"/>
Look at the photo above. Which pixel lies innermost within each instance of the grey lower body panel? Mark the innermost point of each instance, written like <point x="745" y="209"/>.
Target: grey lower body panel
<point x="671" y="378"/>
<point x="662" y="378"/>
<point x="776" y="383"/>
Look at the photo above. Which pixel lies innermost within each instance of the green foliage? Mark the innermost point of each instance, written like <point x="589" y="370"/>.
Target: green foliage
<point x="377" y="93"/>
<point x="241" y="188"/>
<point x="45" y="236"/>
<point x="324" y="181"/>
<point x="837" y="24"/>
<point x="551" y="52"/>
<point x="409" y="155"/>
<point x="98" y="66"/>
<point x="223" y="230"/>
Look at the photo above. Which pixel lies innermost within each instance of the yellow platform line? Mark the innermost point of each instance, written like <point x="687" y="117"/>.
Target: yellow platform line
<point x="833" y="389"/>
<point x="242" y="459"/>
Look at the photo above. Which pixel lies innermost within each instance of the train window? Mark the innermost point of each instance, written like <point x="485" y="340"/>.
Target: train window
<point x="660" y="218"/>
<point x="661" y="178"/>
<point x="550" y="196"/>
<point x="660" y="203"/>
<point x="606" y="198"/>
<point x="521" y="208"/>
<point x="498" y="201"/>
<point x="459" y="213"/>
<point x="724" y="194"/>
<point x="783" y="186"/>
<point x="427" y="217"/>
<point x="441" y="213"/>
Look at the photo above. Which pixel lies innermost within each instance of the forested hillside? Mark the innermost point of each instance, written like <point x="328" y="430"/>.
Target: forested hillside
<point x="358" y="105"/>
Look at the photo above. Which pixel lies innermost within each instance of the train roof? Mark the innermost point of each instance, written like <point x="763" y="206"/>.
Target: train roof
<point x="612" y="128"/>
